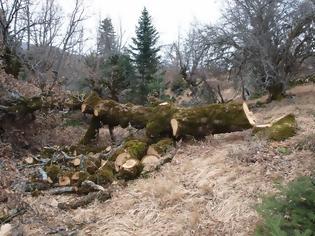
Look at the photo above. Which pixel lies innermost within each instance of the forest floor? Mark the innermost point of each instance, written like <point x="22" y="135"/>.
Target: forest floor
<point x="210" y="188"/>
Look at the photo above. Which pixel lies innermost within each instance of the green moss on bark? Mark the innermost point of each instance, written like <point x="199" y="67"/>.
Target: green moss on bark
<point x="158" y="125"/>
<point x="53" y="172"/>
<point x="280" y="130"/>
<point x="105" y="174"/>
<point x="136" y="148"/>
<point x="163" y="146"/>
<point x="216" y="118"/>
<point x="82" y="176"/>
<point x="85" y="149"/>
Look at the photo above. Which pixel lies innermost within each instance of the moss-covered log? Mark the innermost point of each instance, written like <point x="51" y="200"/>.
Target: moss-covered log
<point x="215" y="118"/>
<point x="279" y="130"/>
<point x="113" y="113"/>
<point x="160" y="148"/>
<point x="130" y="169"/>
<point x="167" y="120"/>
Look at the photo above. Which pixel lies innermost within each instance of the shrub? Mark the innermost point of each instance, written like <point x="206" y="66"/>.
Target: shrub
<point x="291" y="211"/>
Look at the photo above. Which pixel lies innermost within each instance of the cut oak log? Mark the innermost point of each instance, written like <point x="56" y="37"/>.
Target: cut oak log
<point x="210" y="119"/>
<point x="161" y="147"/>
<point x="167" y="120"/>
<point x="121" y="159"/>
<point x="64" y="181"/>
<point x="130" y="169"/>
<point x="149" y="162"/>
<point x="279" y="129"/>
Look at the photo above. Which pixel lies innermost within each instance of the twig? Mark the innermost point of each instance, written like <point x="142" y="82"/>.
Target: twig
<point x="87" y="184"/>
<point x="74" y="204"/>
<point x="111" y="152"/>
<point x="61" y="190"/>
<point x="9" y="217"/>
<point x="43" y="174"/>
<point x="30" y="187"/>
<point x="30" y="165"/>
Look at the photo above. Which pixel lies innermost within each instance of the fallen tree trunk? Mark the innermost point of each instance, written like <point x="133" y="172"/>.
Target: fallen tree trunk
<point x="167" y="120"/>
<point x="216" y="118"/>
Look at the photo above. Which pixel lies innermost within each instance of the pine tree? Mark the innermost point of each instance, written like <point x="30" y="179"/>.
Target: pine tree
<point x="106" y="40"/>
<point x="118" y="73"/>
<point x="145" y="51"/>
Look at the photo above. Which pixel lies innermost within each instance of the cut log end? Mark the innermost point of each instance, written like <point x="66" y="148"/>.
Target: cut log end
<point x="29" y="160"/>
<point x="83" y="108"/>
<point x="76" y="162"/>
<point x="149" y="162"/>
<point x="249" y="115"/>
<point x="174" y="125"/>
<point x="131" y="169"/>
<point x="96" y="113"/>
<point x="130" y="164"/>
<point x="64" y="181"/>
<point x="75" y="176"/>
<point x="152" y="152"/>
<point x="121" y="160"/>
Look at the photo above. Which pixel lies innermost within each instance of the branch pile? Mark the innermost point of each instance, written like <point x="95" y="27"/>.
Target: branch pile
<point x="64" y="171"/>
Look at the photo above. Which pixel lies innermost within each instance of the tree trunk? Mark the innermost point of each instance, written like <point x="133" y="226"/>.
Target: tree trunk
<point x="276" y="90"/>
<point x="167" y="120"/>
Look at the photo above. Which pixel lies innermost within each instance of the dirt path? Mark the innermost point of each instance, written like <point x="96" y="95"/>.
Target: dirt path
<point x="210" y="188"/>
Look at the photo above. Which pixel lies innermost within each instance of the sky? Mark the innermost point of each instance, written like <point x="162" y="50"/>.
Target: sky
<point x="169" y="16"/>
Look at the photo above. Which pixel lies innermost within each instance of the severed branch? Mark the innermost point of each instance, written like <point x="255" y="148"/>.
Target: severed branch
<point x="76" y="203"/>
<point x="12" y="214"/>
<point x="62" y="190"/>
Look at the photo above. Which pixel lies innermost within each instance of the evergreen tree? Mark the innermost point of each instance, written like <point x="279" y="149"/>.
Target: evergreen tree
<point x="145" y="52"/>
<point x="118" y="73"/>
<point x="106" y="40"/>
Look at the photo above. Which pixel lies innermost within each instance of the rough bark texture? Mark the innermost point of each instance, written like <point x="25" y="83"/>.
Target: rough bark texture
<point x="167" y="120"/>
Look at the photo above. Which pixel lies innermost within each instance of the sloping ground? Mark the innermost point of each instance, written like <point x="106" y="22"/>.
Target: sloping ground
<point x="210" y="187"/>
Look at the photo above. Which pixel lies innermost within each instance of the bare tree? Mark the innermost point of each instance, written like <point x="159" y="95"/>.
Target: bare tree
<point x="74" y="29"/>
<point x="189" y="55"/>
<point x="9" y="13"/>
<point x="264" y="40"/>
<point x="48" y="16"/>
